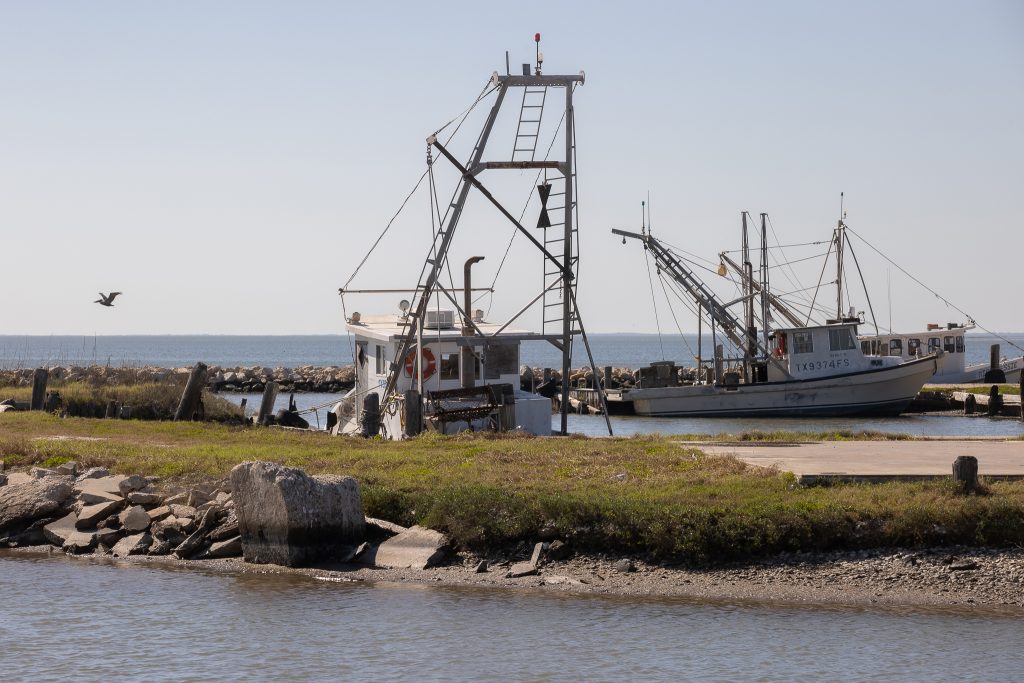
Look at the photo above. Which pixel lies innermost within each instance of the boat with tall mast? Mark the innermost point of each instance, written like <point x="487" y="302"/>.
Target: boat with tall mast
<point x="438" y="364"/>
<point x="789" y="370"/>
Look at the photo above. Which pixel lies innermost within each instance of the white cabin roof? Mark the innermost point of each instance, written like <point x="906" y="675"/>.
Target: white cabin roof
<point x="394" y="327"/>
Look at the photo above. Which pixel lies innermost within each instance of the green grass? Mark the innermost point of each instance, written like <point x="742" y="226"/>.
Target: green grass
<point x="648" y="496"/>
<point x="1012" y="389"/>
<point x="149" y="401"/>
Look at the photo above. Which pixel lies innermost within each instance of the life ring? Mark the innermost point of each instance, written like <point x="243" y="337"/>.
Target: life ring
<point x="429" y="364"/>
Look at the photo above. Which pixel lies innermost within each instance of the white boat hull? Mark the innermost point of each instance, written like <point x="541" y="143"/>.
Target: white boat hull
<point x="885" y="391"/>
<point x="975" y="373"/>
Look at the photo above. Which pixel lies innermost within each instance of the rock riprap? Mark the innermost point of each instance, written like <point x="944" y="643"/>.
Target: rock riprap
<point x="288" y="517"/>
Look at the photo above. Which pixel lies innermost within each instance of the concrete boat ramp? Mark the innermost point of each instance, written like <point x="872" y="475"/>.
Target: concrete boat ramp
<point x="875" y="461"/>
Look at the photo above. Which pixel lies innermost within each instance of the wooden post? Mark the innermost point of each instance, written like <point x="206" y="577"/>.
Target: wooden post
<point x="995" y="373"/>
<point x="413" y="413"/>
<point x="39" y="388"/>
<point x="607" y="377"/>
<point x="111" y="411"/>
<point x="1022" y="395"/>
<point x="241" y="405"/>
<point x="193" y="393"/>
<point x="970" y="404"/>
<point x="995" y="401"/>
<point x="370" y="418"/>
<point x="965" y="473"/>
<point x="267" y="404"/>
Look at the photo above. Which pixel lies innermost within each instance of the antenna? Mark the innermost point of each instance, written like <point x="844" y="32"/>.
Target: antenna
<point x="842" y="214"/>
<point x="643" y="219"/>
<point x="540" y="55"/>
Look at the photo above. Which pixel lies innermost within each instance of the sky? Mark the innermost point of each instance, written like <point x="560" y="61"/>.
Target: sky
<point x="228" y="165"/>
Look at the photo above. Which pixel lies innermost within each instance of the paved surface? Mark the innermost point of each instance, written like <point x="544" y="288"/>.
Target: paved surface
<point x="877" y="460"/>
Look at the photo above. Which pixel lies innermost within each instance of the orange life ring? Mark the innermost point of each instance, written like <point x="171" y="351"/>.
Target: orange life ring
<point x="429" y="364"/>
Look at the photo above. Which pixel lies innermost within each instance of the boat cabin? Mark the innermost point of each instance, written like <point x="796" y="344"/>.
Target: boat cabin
<point x="822" y="351"/>
<point x="478" y="390"/>
<point x="908" y="346"/>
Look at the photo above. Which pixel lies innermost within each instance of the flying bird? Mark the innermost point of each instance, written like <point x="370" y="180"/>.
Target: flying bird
<point x="106" y="299"/>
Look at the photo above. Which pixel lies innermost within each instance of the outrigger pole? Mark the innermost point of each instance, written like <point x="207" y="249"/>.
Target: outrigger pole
<point x="562" y="265"/>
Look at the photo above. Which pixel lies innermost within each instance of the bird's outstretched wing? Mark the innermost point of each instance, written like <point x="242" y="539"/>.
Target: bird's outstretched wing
<point x="113" y="294"/>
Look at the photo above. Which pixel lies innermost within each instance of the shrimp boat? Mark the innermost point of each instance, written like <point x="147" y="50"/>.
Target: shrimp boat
<point x="795" y="370"/>
<point x="950" y="339"/>
<point x="438" y="365"/>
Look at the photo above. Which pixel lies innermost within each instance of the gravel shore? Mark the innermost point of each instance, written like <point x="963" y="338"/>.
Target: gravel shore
<point x="956" y="576"/>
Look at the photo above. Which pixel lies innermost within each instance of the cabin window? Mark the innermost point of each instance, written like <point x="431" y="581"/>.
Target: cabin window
<point x="840" y="339"/>
<point x="895" y="347"/>
<point x="802" y="342"/>
<point x="381" y="360"/>
<point x="913" y="346"/>
<point x="883" y="348"/>
<point x="933" y="344"/>
<point x="865" y="347"/>
<point x="949" y="346"/>
<point x="501" y="359"/>
<point x="449" y="368"/>
<point x="960" y="344"/>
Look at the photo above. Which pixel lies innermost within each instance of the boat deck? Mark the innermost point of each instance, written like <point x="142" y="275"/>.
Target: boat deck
<point x="876" y="461"/>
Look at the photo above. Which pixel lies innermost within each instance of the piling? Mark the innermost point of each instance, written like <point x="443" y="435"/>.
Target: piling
<point x="267" y="404"/>
<point x="995" y="373"/>
<point x="970" y="404"/>
<point x="413" y="415"/>
<point x="995" y="401"/>
<point x="112" y="409"/>
<point x="369" y="420"/>
<point x="193" y="394"/>
<point x="39" y="388"/>
<point x="607" y="377"/>
<point x="965" y="473"/>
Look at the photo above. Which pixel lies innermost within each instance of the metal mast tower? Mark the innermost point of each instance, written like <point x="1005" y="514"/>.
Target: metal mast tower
<point x="559" y="251"/>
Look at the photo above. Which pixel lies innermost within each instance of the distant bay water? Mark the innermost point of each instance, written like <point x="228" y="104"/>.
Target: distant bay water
<point x="617" y="349"/>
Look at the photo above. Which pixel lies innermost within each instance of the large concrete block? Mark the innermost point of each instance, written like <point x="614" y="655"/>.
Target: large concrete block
<point x="416" y="548"/>
<point x="287" y="517"/>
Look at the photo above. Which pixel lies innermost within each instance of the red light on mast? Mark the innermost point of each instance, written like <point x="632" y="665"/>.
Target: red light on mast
<point x="536" y="38"/>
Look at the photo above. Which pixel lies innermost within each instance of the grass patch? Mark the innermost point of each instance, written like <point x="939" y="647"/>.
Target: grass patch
<point x="647" y="496"/>
<point x="1010" y="389"/>
<point x="148" y="401"/>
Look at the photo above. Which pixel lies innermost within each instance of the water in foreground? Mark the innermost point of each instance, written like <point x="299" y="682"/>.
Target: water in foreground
<point x="119" y="621"/>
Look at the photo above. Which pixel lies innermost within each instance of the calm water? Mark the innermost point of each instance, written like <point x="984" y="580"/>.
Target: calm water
<point x="594" y="425"/>
<point x="619" y="350"/>
<point x="117" y="621"/>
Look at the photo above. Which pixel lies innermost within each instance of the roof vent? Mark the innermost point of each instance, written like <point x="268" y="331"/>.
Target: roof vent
<point x="439" y="320"/>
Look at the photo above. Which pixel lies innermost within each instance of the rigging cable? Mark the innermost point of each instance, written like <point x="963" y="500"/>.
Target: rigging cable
<point x="654" y="302"/>
<point x="483" y="93"/>
<point x="936" y="294"/>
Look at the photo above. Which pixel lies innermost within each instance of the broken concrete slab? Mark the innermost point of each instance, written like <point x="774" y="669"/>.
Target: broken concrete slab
<point x="159" y="513"/>
<point x="136" y="482"/>
<point x="415" y="548"/>
<point x="182" y="510"/>
<point x="287" y="517"/>
<point x="91" y="514"/>
<point x="58" y="532"/>
<point x="231" y="547"/>
<point x="98" y="490"/>
<point x="69" y="468"/>
<point x="143" y="498"/>
<point x="227" y="529"/>
<point x="107" y="537"/>
<point x="40" y="472"/>
<point x="384" y="525"/>
<point x="94" y="473"/>
<point x="521" y="569"/>
<point x="136" y="544"/>
<point x="135" y="518"/>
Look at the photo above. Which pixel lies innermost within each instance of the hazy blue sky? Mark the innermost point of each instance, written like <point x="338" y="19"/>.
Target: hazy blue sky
<point x="226" y="165"/>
